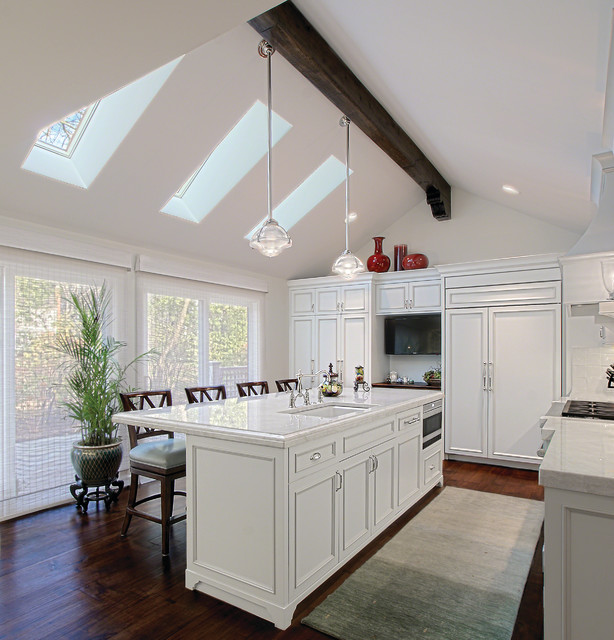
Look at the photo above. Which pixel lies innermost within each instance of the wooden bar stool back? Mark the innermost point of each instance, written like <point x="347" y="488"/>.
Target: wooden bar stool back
<point x="287" y="384"/>
<point x="253" y="388"/>
<point x="160" y="459"/>
<point x="201" y="394"/>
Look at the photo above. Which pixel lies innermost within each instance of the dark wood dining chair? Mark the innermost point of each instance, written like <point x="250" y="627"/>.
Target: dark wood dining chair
<point x="287" y="384"/>
<point x="259" y="388"/>
<point x="200" y="394"/>
<point x="161" y="459"/>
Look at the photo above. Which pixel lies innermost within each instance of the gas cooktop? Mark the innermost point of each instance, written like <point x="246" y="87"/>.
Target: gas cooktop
<point x="588" y="409"/>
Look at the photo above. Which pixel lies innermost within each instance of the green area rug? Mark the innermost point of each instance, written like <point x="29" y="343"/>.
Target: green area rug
<point x="456" y="571"/>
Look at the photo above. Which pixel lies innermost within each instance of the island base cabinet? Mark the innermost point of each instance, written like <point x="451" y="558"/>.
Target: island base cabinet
<point x="578" y="566"/>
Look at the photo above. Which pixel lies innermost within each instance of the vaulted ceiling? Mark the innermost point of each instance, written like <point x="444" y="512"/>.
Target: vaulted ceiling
<point x="493" y="92"/>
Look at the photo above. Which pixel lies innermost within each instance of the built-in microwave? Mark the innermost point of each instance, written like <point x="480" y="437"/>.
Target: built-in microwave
<point x="431" y="423"/>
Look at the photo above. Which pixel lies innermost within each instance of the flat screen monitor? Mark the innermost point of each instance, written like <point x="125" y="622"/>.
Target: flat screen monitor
<point x="413" y="335"/>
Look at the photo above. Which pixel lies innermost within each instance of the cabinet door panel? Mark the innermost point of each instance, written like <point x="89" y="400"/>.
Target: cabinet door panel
<point x="301" y="344"/>
<point x="327" y="300"/>
<point x="465" y="396"/>
<point x="384" y="499"/>
<point x="327" y="340"/>
<point x="313" y="529"/>
<point x="302" y="301"/>
<point x="355" y="345"/>
<point x="408" y="463"/>
<point x="355" y="500"/>
<point x="425" y="295"/>
<point x="354" y="298"/>
<point x="391" y="297"/>
<point x="525" y="352"/>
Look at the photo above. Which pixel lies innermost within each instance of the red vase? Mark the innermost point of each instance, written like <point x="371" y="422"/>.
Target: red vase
<point x="415" y="261"/>
<point x="378" y="262"/>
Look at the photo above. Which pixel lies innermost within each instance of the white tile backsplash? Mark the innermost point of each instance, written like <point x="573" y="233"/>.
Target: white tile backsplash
<point x="588" y="367"/>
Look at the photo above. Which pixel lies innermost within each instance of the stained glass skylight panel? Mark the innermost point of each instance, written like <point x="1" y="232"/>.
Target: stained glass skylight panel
<point x="61" y="135"/>
<point x="323" y="181"/>
<point x="234" y="157"/>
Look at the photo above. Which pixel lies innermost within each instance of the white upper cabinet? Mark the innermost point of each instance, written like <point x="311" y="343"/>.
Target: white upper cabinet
<point x="302" y="301"/>
<point x="408" y="297"/>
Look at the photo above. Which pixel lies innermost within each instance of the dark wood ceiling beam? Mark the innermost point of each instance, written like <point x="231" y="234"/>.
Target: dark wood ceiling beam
<point x="287" y="29"/>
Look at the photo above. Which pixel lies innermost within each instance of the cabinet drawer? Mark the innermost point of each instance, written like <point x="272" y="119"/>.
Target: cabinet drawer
<point x="431" y="466"/>
<point x="509" y="294"/>
<point x="312" y="455"/>
<point x="410" y="419"/>
<point x="361" y="437"/>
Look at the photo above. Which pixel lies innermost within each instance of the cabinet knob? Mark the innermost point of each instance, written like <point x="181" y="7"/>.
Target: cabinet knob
<point x="316" y="456"/>
<point x="431" y="467"/>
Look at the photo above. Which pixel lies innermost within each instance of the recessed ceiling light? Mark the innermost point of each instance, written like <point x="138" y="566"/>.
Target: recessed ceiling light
<point x="352" y="216"/>
<point x="509" y="189"/>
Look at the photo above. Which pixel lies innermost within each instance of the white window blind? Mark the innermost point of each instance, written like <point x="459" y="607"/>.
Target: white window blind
<point x="201" y="334"/>
<point x="35" y="434"/>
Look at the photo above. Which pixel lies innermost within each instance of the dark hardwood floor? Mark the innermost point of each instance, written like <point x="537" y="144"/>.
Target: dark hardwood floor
<point x="65" y="575"/>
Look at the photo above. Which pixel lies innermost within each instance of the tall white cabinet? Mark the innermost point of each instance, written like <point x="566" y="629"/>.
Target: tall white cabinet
<point x="502" y="361"/>
<point x="330" y="321"/>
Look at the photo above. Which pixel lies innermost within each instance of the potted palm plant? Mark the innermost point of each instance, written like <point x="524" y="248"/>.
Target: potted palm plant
<point x="93" y="378"/>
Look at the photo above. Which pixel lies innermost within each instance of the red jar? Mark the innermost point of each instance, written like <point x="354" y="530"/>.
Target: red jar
<point x="415" y="261"/>
<point x="400" y="251"/>
<point x="378" y="262"/>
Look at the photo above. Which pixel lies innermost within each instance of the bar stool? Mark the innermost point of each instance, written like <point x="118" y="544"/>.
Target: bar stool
<point x="162" y="460"/>
<point x="205" y="392"/>
<point x="253" y="388"/>
<point x="287" y="384"/>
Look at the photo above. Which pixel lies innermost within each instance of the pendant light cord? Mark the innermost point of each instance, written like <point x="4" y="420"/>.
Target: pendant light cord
<point x="270" y="139"/>
<point x="345" y="122"/>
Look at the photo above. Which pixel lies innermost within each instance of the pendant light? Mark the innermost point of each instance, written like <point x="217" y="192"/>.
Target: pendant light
<point x="347" y="264"/>
<point x="271" y="239"/>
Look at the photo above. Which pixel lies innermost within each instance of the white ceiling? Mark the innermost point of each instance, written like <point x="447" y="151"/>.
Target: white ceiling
<point x="493" y="92"/>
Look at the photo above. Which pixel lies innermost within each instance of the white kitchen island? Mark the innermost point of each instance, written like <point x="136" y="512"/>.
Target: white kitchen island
<point x="279" y="499"/>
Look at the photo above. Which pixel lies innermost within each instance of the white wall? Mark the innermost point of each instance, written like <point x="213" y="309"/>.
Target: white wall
<point x="479" y="230"/>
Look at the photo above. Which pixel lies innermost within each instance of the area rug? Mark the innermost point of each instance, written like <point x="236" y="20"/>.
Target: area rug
<point x="456" y="571"/>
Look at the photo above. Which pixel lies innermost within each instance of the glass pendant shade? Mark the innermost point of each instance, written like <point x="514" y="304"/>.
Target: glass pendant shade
<point x="347" y="265"/>
<point x="271" y="239"/>
<point x="607" y="271"/>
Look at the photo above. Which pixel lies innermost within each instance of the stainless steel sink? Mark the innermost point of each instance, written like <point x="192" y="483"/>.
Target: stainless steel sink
<point x="329" y="410"/>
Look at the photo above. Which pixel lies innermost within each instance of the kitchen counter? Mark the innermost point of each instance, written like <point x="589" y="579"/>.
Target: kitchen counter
<point x="580" y="456"/>
<point x="268" y="420"/>
<point x="278" y="500"/>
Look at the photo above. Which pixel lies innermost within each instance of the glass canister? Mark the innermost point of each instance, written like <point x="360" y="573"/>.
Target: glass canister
<point x="331" y="385"/>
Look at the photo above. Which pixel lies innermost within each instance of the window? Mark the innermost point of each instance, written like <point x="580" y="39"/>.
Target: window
<point x="201" y="334"/>
<point x="235" y="156"/>
<point x="35" y="433"/>
<point x="75" y="148"/>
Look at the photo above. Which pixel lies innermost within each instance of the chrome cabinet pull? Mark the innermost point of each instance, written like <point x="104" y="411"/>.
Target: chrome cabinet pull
<point x="491" y="375"/>
<point x="343" y="306"/>
<point x="411" y="303"/>
<point x="313" y="306"/>
<point x="376" y="463"/>
<point x="484" y="376"/>
<point x="313" y="362"/>
<point x="340" y="480"/>
<point x="371" y="464"/>
<point x="414" y="419"/>
<point x="432" y="467"/>
<point x="316" y="456"/>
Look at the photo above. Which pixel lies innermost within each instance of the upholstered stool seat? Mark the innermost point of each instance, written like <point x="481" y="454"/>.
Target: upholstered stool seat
<point x="164" y="453"/>
<point x="162" y="460"/>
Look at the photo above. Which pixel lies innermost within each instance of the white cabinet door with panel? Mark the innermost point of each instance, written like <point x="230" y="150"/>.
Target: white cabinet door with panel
<point x="408" y="297"/>
<point x="302" y="343"/>
<point x="355" y="299"/>
<point x="465" y="381"/>
<point x="384" y="478"/>
<point x="525" y="371"/>
<point x="313" y="522"/>
<point x="424" y="296"/>
<point x="408" y="465"/>
<point x="327" y="343"/>
<point x="328" y="300"/>
<point x="354" y="341"/>
<point x="302" y="301"/>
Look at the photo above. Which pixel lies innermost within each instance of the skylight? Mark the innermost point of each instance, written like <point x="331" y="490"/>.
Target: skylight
<point x="323" y="181"/>
<point x="235" y="156"/>
<point x="62" y="136"/>
<point x="75" y="148"/>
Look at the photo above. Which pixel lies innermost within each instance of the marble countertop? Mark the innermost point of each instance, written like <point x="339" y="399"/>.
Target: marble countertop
<point x="267" y="419"/>
<point x="580" y="456"/>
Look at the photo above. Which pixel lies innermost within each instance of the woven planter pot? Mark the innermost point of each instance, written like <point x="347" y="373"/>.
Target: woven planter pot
<point x="97" y="466"/>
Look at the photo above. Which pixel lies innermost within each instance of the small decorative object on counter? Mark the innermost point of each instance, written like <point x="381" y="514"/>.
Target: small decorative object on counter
<point x="393" y="377"/>
<point x="359" y="381"/>
<point x="331" y="386"/>
<point x="432" y="377"/>
<point x="610" y="376"/>
<point x="400" y="251"/>
<point x="379" y="262"/>
<point x="415" y="261"/>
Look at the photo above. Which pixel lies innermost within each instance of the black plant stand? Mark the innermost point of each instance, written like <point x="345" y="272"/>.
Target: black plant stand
<point x="82" y="494"/>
